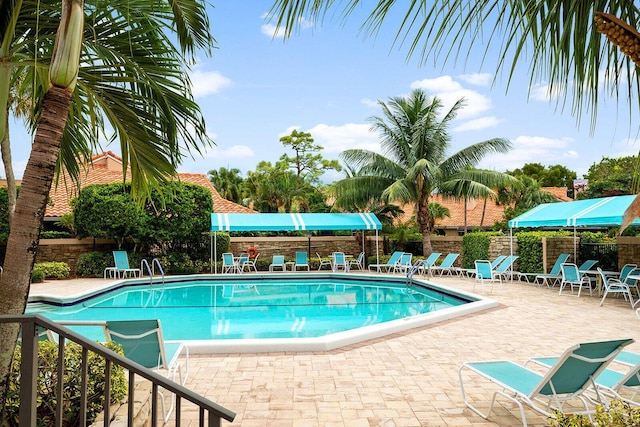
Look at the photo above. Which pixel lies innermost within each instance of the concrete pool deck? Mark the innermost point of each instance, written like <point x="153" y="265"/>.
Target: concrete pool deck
<point x="405" y="379"/>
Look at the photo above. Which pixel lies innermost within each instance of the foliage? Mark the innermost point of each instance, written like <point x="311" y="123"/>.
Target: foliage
<point x="4" y="215"/>
<point x="475" y="246"/>
<point x="53" y="269"/>
<point x="611" y="177"/>
<point x="228" y="183"/>
<point x="401" y="233"/>
<point x="55" y="235"/>
<point x="595" y="237"/>
<point x="618" y="414"/>
<point x="307" y="163"/>
<point x="553" y="176"/>
<point x="37" y="276"/>
<point x="530" y="249"/>
<point x="222" y="242"/>
<point x="523" y="196"/>
<point x="93" y="264"/>
<point x="47" y="380"/>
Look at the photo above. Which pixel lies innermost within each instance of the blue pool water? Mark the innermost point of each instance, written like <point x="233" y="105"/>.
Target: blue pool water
<point x="255" y="307"/>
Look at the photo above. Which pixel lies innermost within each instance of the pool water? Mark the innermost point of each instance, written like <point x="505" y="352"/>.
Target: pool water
<point x="258" y="308"/>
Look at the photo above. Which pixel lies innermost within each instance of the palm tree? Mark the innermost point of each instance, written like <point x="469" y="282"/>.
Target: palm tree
<point x="228" y="182"/>
<point x="474" y="184"/>
<point x="416" y="143"/>
<point x="135" y="79"/>
<point x="436" y="212"/>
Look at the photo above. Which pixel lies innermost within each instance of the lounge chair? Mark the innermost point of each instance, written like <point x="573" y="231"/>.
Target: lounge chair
<point x="484" y="273"/>
<point x="446" y="265"/>
<point x="229" y="264"/>
<point x="614" y="286"/>
<point x="555" y="275"/>
<point x="587" y="265"/>
<point x="611" y="381"/>
<point x="395" y="257"/>
<point x="358" y="262"/>
<point x="122" y="269"/>
<point x="404" y="264"/>
<point x="339" y="262"/>
<point x="301" y="261"/>
<point x="571" y="276"/>
<point x="505" y="269"/>
<point x="142" y="342"/>
<point x="322" y="262"/>
<point x="567" y="380"/>
<point x="429" y="262"/>
<point x="472" y="271"/>
<point x="278" y="262"/>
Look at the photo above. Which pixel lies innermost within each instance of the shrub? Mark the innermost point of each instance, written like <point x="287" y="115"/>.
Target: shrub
<point x="55" y="235"/>
<point x="53" y="269"/>
<point x="618" y="414"/>
<point x="92" y="264"/>
<point x="48" y="378"/>
<point x="37" y="275"/>
<point x="476" y="246"/>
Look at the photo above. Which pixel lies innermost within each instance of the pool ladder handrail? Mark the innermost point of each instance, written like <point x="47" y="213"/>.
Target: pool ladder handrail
<point x="412" y="271"/>
<point x="151" y="270"/>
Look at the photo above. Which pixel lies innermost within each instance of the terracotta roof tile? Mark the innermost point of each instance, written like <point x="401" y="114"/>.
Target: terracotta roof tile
<point x="107" y="169"/>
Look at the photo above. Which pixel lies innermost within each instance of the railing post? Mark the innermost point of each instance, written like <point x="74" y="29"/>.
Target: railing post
<point x="28" y="374"/>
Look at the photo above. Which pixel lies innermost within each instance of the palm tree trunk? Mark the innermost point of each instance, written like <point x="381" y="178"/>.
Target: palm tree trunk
<point x="484" y="210"/>
<point x="25" y="229"/>
<point x="465" y="215"/>
<point x="423" y="218"/>
<point x="5" y="149"/>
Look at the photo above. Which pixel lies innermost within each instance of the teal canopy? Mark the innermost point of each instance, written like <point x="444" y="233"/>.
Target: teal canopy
<point x="293" y="221"/>
<point x="606" y="211"/>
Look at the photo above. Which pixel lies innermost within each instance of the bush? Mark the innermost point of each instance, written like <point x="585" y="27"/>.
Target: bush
<point x="93" y="264"/>
<point x="53" y="269"/>
<point x="618" y="414"/>
<point x="55" y="235"/>
<point x="47" y="381"/>
<point x="476" y="246"/>
<point x="37" y="275"/>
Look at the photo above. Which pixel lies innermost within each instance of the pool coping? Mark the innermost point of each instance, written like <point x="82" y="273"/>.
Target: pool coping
<point x="315" y="344"/>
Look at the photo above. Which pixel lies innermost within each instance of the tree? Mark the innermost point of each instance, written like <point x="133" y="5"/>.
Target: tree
<point x="416" y="143"/>
<point x="611" y="177"/>
<point x="228" y="182"/>
<point x="307" y="162"/>
<point x="552" y="176"/>
<point x="141" y="90"/>
<point x="522" y="196"/>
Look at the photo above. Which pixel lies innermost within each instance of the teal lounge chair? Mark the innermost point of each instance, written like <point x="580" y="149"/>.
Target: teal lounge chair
<point x="142" y="342"/>
<point x="429" y="262"/>
<point x="555" y="275"/>
<point x="505" y="269"/>
<point x="395" y="258"/>
<point x="446" y="265"/>
<point x="566" y="380"/>
<point x="301" y="261"/>
<point x="122" y="269"/>
<point x="614" y="383"/>
<point x="472" y="271"/>
<point x="404" y="264"/>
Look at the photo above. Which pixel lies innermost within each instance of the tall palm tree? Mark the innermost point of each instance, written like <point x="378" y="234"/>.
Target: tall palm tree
<point x="556" y="40"/>
<point x="416" y="143"/>
<point x="135" y="79"/>
<point x="228" y="182"/>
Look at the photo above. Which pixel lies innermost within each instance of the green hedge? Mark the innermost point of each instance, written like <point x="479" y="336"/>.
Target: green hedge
<point x="50" y="270"/>
<point x="530" y="249"/>
<point x="476" y="246"/>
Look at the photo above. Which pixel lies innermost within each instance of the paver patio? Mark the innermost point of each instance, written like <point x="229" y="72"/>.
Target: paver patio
<point x="409" y="378"/>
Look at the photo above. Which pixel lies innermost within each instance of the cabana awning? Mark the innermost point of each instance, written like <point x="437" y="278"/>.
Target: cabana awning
<point x="607" y="211"/>
<point x="294" y="221"/>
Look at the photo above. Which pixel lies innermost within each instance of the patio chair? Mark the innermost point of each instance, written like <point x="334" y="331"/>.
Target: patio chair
<point x="571" y="276"/>
<point x="322" y="262"/>
<point x="484" y="273"/>
<point x="555" y="275"/>
<point x="142" y="342"/>
<point x="248" y="263"/>
<point x="429" y="262"/>
<point x="395" y="257"/>
<point x="301" y="261"/>
<point x="122" y="269"/>
<point x="404" y="264"/>
<point x="229" y="264"/>
<point x="587" y="265"/>
<point x="446" y="265"/>
<point x="358" y="262"/>
<point x="339" y="262"/>
<point x="565" y="381"/>
<point x="472" y="271"/>
<point x="614" y="286"/>
<point x="278" y="262"/>
<point x="241" y="261"/>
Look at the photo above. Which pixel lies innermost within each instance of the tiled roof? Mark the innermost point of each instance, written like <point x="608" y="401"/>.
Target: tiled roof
<point x="559" y="192"/>
<point x="106" y="168"/>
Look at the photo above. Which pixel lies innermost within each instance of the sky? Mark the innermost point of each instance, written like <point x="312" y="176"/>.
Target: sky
<point x="327" y="80"/>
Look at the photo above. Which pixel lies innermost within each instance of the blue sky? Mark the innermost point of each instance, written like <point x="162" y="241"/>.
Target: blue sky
<point x="326" y="80"/>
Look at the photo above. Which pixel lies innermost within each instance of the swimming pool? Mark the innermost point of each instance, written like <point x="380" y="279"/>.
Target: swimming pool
<point x="267" y="312"/>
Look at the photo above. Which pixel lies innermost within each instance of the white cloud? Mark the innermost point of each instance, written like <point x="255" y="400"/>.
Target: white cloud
<point x="542" y="92"/>
<point x="272" y="32"/>
<point x="369" y="102"/>
<point x="336" y="139"/>
<point x="233" y="152"/>
<point x="208" y="82"/>
<point x="477" y="124"/>
<point x="449" y="92"/>
<point x="477" y="79"/>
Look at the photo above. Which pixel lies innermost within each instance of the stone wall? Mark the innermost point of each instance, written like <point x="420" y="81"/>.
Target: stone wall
<point x="68" y="250"/>
<point x="628" y="251"/>
<point x="288" y="246"/>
